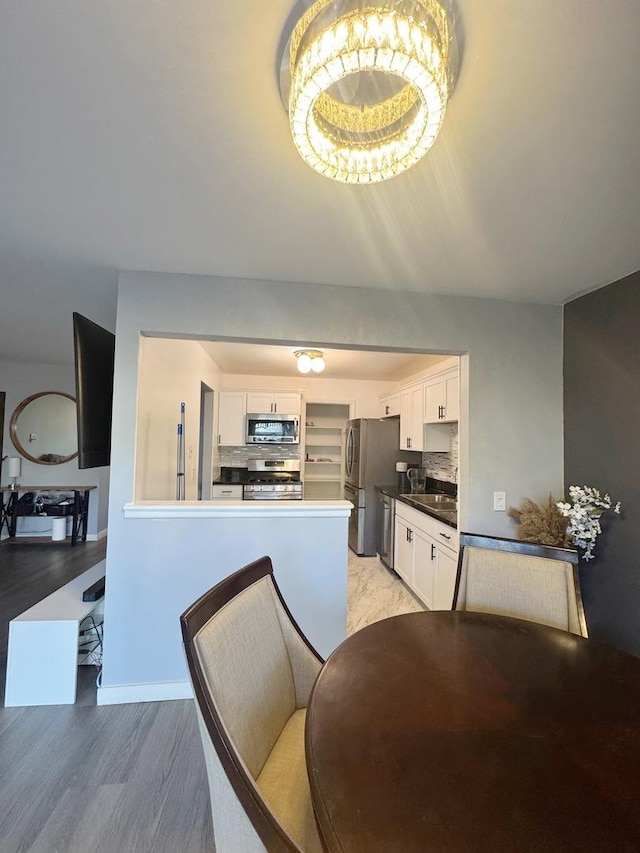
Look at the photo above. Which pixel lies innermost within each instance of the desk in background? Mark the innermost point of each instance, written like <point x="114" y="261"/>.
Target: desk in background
<point x="9" y="513"/>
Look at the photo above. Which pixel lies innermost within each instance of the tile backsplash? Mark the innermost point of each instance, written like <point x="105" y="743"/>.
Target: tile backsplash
<point x="238" y="457"/>
<point x="444" y="466"/>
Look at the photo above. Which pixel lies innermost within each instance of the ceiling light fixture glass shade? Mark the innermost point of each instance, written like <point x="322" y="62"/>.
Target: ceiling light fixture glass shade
<point x="310" y="360"/>
<point x="369" y="83"/>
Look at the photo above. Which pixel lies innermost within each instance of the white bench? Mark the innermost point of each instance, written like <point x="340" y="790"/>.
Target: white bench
<point x="42" y="658"/>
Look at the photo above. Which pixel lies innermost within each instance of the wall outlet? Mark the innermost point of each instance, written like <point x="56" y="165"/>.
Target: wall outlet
<point x="499" y="501"/>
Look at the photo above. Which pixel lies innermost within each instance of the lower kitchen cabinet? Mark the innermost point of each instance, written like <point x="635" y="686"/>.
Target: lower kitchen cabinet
<point x="226" y="492"/>
<point x="426" y="556"/>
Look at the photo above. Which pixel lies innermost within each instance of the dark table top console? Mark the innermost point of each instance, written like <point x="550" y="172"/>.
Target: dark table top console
<point x="10" y="507"/>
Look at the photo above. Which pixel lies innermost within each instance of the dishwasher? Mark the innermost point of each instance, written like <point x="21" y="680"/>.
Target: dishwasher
<point x="386" y="528"/>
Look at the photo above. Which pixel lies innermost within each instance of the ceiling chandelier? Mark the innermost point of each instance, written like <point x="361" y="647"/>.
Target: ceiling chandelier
<point x="366" y="84"/>
<point x="310" y="360"/>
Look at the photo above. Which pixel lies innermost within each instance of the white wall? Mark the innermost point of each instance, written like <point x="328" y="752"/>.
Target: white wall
<point x="511" y="398"/>
<point x="169" y="373"/>
<point x="20" y="380"/>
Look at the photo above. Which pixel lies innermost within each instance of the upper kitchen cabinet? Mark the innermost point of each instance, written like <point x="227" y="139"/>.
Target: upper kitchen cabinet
<point x="442" y="397"/>
<point x="411" y="418"/>
<point x="389" y="405"/>
<point x="271" y="402"/>
<point x="231" y="418"/>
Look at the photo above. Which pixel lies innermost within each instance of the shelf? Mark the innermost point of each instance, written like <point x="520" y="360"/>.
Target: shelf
<point x="321" y="479"/>
<point x="328" y="424"/>
<point x="323" y="444"/>
<point x="321" y="461"/>
<point x="323" y="491"/>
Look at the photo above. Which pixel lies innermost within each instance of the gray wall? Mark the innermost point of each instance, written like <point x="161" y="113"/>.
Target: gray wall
<point x="511" y="399"/>
<point x="602" y="448"/>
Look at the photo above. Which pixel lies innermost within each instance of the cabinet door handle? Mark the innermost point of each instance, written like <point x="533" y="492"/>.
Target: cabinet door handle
<point x="408" y="442"/>
<point x="433" y="552"/>
<point x="444" y="536"/>
<point x="386" y="410"/>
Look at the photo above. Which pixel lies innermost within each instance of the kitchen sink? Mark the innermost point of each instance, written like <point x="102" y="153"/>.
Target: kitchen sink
<point x="444" y="503"/>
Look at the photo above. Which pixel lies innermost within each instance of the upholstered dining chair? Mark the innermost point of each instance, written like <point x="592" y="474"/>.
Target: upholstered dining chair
<point x="252" y="670"/>
<point x="508" y="577"/>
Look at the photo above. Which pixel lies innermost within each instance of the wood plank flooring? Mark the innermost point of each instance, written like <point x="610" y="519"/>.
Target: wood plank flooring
<point x="114" y="779"/>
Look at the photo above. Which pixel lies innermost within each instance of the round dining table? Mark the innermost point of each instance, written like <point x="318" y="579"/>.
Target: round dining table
<point x="441" y="732"/>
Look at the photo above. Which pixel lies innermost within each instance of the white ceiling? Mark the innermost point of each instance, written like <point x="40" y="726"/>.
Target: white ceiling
<point x="150" y="135"/>
<point x="258" y="359"/>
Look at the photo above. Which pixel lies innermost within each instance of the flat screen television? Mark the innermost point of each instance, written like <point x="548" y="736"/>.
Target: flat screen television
<point x="94" y="351"/>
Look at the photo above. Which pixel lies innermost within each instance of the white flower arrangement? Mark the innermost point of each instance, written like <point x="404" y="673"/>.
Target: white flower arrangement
<point x="583" y="512"/>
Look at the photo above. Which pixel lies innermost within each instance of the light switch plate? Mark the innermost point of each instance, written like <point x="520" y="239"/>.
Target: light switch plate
<point x="500" y="501"/>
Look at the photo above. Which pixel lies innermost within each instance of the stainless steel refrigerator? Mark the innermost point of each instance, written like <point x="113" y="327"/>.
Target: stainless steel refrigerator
<point x="371" y="453"/>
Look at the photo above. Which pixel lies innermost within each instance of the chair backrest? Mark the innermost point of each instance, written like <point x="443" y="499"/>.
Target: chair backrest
<point x="251" y="668"/>
<point x="507" y="577"/>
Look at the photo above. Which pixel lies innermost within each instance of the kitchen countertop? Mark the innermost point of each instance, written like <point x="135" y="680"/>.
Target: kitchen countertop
<point x="445" y="516"/>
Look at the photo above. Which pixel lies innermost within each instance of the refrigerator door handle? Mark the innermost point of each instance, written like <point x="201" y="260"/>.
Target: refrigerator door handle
<point x="349" y="453"/>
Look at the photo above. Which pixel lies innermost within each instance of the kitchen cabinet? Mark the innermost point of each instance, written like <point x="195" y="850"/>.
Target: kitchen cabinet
<point x="226" y="492"/>
<point x="412" y="418"/>
<point x="426" y="556"/>
<point x="232" y="409"/>
<point x="442" y="397"/>
<point x="413" y="433"/>
<point x="389" y="405"/>
<point x="271" y="402"/>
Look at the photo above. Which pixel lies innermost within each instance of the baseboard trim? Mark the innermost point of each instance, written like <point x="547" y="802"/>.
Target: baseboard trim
<point x="158" y="691"/>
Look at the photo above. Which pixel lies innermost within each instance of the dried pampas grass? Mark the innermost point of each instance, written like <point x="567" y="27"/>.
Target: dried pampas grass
<point x="541" y="523"/>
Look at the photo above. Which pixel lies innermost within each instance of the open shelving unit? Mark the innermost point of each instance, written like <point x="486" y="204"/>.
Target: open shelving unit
<point x="325" y="425"/>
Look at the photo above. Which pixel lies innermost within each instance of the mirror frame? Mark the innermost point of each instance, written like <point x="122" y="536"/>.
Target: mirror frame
<point x="13" y="427"/>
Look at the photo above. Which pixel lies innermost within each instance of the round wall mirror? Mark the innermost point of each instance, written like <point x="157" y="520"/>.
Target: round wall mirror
<point x="43" y="428"/>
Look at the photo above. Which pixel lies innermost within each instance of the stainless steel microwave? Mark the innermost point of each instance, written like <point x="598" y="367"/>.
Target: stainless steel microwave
<point x="272" y="429"/>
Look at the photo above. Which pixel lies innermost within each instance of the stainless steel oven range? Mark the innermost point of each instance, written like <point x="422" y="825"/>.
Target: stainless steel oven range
<point x="273" y="480"/>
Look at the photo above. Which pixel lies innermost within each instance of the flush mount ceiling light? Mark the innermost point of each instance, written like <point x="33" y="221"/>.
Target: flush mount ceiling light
<point x="366" y="83"/>
<point x="310" y="359"/>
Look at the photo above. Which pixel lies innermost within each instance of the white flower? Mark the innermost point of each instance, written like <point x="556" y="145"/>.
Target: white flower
<point x="583" y="512"/>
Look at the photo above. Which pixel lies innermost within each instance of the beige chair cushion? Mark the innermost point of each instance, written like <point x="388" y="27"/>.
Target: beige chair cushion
<point x="244" y="657"/>
<point x="284" y="785"/>
<point x="522" y="586"/>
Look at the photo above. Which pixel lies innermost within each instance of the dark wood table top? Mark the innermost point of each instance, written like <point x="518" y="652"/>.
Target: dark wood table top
<point x="467" y="732"/>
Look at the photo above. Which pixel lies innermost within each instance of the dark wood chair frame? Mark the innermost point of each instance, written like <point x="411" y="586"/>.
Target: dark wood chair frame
<point x="531" y="549"/>
<point x="192" y="620"/>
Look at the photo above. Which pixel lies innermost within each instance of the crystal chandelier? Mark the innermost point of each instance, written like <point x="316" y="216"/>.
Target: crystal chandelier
<point x="368" y="83"/>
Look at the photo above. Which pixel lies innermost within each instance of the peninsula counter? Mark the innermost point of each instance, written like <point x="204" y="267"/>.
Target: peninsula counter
<point x="179" y="549"/>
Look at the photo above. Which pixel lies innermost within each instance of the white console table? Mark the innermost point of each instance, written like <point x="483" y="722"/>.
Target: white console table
<point x="42" y="659"/>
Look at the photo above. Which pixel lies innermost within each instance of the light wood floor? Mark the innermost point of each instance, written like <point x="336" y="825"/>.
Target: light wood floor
<point x="114" y="779"/>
